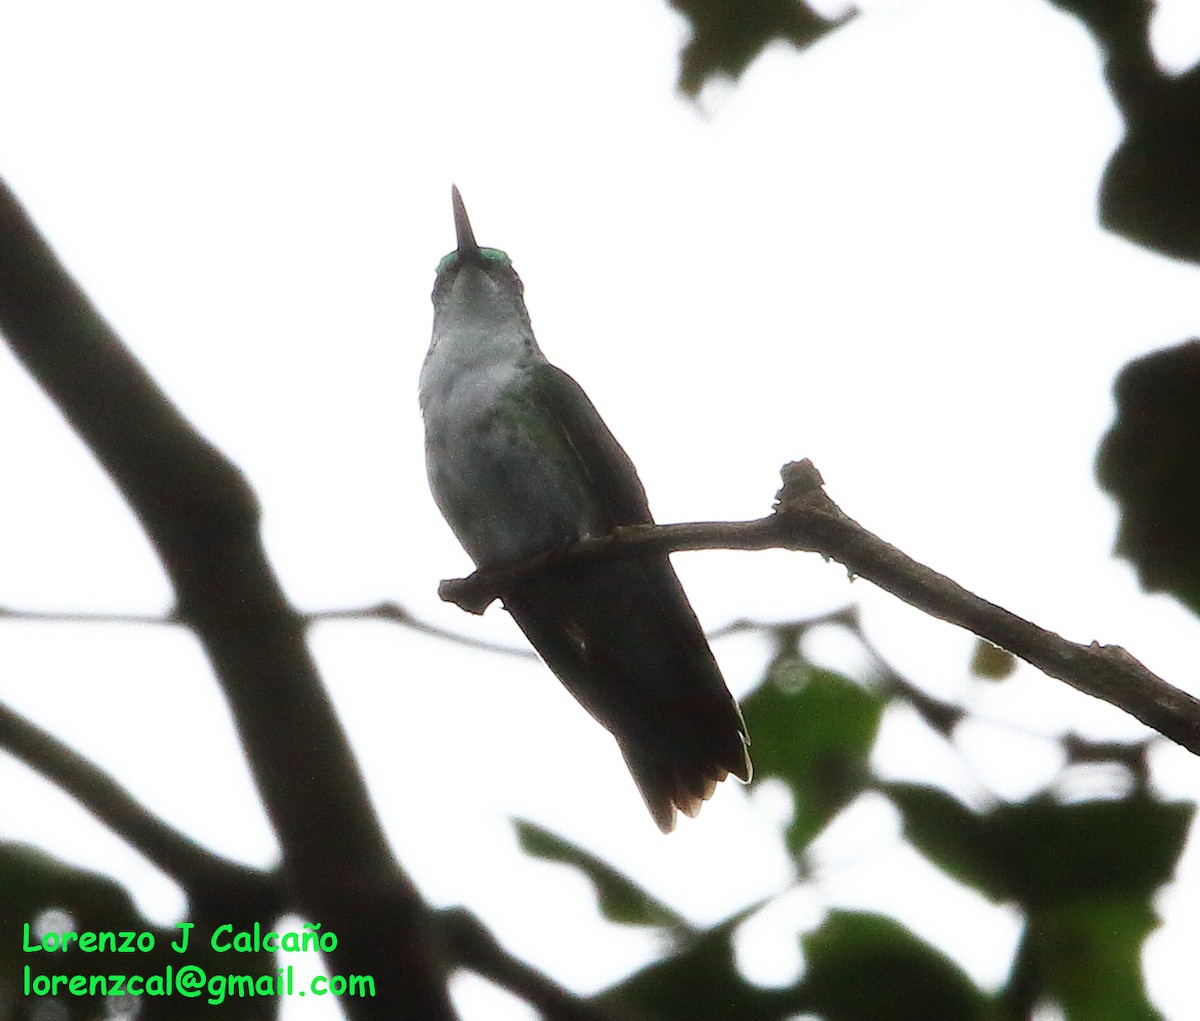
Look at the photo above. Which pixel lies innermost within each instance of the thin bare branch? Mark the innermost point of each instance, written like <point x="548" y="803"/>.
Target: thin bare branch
<point x="397" y="614"/>
<point x="87" y="617"/>
<point x="807" y="519"/>
<point x="391" y="612"/>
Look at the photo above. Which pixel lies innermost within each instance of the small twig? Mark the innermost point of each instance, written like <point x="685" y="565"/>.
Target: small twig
<point x="86" y="617"/>
<point x="845" y="617"/>
<point x="397" y="614"/>
<point x="805" y="518"/>
<point x="388" y="611"/>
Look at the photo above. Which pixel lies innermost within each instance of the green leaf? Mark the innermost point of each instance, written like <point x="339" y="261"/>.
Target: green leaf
<point x="815" y="736"/>
<point x="1087" y="958"/>
<point x="33" y="882"/>
<point x="860" y="967"/>
<point x="950" y="835"/>
<point x="1083" y="874"/>
<point x="990" y="662"/>
<point x="865" y="967"/>
<point x="728" y="34"/>
<point x="1041" y="853"/>
<point x="1150" y="463"/>
<point x="700" y="982"/>
<point x="1148" y="193"/>
<point x="1056" y="854"/>
<point x="620" y="898"/>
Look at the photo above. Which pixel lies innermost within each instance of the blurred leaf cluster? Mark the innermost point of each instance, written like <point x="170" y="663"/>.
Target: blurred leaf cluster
<point x="727" y="35"/>
<point x="44" y="893"/>
<point x="1150" y="463"/>
<point x="1148" y="193"/>
<point x="1082" y="873"/>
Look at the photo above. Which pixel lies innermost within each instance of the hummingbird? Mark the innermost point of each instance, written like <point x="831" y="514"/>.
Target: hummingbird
<point x="520" y="463"/>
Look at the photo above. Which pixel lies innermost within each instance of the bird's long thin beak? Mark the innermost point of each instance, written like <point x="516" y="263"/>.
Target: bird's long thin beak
<point x="467" y="246"/>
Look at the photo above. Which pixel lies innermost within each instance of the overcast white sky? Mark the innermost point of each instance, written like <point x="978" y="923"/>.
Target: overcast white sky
<point x="880" y="254"/>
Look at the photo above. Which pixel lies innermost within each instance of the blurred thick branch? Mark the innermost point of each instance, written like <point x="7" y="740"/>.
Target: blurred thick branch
<point x="805" y="518"/>
<point x="203" y="520"/>
<point x="195" y="868"/>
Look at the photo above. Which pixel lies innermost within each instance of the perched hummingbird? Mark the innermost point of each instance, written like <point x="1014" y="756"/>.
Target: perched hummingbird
<point x="520" y="462"/>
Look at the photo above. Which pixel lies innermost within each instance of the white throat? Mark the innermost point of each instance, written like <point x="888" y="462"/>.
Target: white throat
<point x="481" y="336"/>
